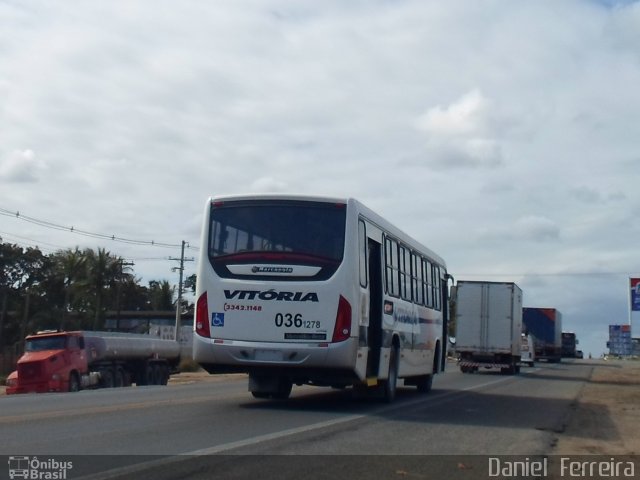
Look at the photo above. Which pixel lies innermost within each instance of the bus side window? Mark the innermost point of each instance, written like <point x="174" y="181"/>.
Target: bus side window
<point x="428" y="283"/>
<point x="391" y="267"/>
<point x="418" y="289"/>
<point x="436" y="287"/>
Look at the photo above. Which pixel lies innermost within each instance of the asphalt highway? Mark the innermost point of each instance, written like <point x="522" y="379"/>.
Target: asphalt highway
<point x="193" y="430"/>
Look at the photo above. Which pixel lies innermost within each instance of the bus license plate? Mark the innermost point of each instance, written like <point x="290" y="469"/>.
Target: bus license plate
<point x="269" y="355"/>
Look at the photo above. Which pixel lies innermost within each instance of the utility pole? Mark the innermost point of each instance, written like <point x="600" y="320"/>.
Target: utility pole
<point x="119" y="290"/>
<point x="179" y="302"/>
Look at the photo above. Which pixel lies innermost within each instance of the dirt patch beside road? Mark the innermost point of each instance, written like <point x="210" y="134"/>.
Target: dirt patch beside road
<point x="202" y="376"/>
<point x="605" y="419"/>
<point x="186" y="378"/>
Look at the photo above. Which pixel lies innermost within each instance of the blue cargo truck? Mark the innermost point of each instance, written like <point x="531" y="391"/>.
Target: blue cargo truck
<point x="545" y="325"/>
<point x="569" y="345"/>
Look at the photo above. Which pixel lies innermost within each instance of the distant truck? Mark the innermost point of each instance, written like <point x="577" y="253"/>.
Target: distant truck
<point x="58" y="361"/>
<point x="569" y="342"/>
<point x="527" y="351"/>
<point x="488" y="326"/>
<point x="545" y="324"/>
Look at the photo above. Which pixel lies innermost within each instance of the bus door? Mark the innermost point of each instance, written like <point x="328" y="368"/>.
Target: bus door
<point x="444" y="289"/>
<point x="374" y="332"/>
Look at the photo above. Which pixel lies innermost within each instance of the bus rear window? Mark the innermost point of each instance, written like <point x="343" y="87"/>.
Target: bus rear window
<point x="303" y="233"/>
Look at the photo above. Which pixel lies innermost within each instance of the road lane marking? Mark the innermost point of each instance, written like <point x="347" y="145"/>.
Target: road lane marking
<point x="225" y="447"/>
<point x="108" y="408"/>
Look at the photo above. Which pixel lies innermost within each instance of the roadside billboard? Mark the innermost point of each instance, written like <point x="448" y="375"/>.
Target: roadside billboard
<point x="635" y="294"/>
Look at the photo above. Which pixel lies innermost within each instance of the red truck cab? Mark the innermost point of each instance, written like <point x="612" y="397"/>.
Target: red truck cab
<point x="53" y="361"/>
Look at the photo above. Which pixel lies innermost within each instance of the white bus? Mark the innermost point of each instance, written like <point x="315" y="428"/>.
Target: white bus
<point x="319" y="291"/>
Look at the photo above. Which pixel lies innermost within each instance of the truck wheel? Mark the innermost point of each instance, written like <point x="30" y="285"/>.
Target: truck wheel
<point x="107" y="379"/>
<point x="164" y="371"/>
<point x="74" y="382"/>
<point x="118" y="380"/>
<point x="390" y="384"/>
<point x="145" y="376"/>
<point x="157" y="374"/>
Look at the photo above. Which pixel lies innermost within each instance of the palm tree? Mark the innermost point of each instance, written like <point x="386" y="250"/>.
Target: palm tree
<point x="161" y="295"/>
<point x="69" y="266"/>
<point x="103" y="270"/>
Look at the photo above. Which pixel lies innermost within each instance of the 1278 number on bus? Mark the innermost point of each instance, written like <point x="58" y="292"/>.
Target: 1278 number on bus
<point x="290" y="320"/>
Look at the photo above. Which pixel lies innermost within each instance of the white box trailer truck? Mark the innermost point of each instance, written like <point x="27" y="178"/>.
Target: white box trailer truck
<point x="488" y="326"/>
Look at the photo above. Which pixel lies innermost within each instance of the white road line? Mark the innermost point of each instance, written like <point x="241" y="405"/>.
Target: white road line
<point x="281" y="434"/>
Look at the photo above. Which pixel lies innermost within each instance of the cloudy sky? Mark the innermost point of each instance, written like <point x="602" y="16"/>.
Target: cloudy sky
<point x="503" y="134"/>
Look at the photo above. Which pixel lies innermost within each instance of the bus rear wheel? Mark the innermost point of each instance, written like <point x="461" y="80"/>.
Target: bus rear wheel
<point x="389" y="386"/>
<point x="284" y="390"/>
<point x="268" y="386"/>
<point x="424" y="384"/>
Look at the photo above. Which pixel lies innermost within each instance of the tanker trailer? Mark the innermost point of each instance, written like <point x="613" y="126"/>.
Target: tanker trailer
<point x="70" y="361"/>
<point x="125" y="358"/>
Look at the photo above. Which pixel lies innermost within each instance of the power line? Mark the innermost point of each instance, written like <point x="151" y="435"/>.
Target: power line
<point x="538" y="274"/>
<point x="33" y="242"/>
<point x="30" y="242"/>
<point x="72" y="229"/>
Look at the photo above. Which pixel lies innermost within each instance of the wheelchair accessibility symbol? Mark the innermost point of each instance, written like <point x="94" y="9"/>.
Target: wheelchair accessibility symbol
<point x="217" y="319"/>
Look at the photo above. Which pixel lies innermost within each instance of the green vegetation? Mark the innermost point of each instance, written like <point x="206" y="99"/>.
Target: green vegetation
<point x="70" y="289"/>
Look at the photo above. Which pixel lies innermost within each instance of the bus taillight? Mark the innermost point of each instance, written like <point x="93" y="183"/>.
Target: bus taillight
<point x="342" y="330"/>
<point x="202" y="317"/>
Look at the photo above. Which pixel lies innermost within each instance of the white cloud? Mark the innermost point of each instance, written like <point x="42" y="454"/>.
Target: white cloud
<point x="536" y="228"/>
<point x="460" y="135"/>
<point x="20" y="166"/>
<point x="527" y="230"/>
<point x="503" y="134"/>
<point x="465" y="116"/>
<point x="268" y="185"/>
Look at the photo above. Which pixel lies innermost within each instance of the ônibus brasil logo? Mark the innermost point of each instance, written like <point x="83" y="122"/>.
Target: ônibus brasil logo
<point x="33" y="468"/>
<point x="271" y="295"/>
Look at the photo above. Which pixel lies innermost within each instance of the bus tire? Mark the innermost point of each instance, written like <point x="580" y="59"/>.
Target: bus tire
<point x="260" y="395"/>
<point x="389" y="385"/>
<point x="284" y="390"/>
<point x="424" y="384"/>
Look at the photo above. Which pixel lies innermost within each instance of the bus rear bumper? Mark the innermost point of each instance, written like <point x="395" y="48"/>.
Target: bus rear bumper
<point x="243" y="356"/>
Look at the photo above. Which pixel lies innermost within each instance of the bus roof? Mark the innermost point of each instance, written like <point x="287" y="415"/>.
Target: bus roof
<point x="278" y="196"/>
<point x="372" y="216"/>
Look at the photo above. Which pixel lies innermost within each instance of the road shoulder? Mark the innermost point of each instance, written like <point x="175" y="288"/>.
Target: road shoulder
<point x="605" y="417"/>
